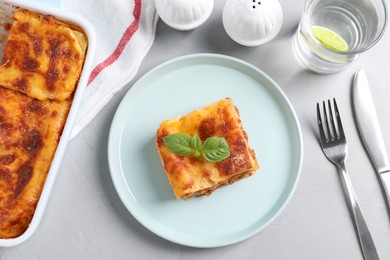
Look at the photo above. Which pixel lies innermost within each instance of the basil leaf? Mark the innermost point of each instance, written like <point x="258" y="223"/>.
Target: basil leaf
<point x="196" y="154"/>
<point x="215" y="149"/>
<point x="196" y="143"/>
<point x="178" y="143"/>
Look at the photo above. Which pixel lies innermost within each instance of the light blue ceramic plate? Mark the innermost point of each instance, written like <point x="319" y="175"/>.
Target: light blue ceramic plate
<point x="232" y="213"/>
<point x="54" y="3"/>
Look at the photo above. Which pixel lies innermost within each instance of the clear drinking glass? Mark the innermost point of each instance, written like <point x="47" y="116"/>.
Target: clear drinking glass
<point x="358" y="25"/>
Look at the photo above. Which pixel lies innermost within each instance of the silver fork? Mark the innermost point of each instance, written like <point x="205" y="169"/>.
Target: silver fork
<point x="334" y="145"/>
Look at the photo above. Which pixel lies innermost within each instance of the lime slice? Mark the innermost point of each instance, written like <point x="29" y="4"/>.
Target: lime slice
<point x="329" y="39"/>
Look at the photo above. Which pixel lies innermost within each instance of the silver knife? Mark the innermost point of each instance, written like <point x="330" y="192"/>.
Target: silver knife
<point x="369" y="129"/>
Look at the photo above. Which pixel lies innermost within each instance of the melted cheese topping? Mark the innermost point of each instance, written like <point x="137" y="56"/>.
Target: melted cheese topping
<point x="41" y="65"/>
<point x="29" y="133"/>
<point x="43" y="57"/>
<point x="191" y="176"/>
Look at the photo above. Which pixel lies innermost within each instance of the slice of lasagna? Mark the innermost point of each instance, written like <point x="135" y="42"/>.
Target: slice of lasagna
<point x="29" y="133"/>
<point x="190" y="176"/>
<point x="43" y="57"/>
<point x="40" y="69"/>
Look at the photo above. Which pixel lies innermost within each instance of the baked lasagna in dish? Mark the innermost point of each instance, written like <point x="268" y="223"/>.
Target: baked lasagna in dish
<point x="190" y="176"/>
<point x="40" y="69"/>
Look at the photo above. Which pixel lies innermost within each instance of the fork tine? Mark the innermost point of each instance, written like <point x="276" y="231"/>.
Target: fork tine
<point x="330" y="137"/>
<point x="339" y="124"/>
<point x="331" y="119"/>
<point x="320" y="125"/>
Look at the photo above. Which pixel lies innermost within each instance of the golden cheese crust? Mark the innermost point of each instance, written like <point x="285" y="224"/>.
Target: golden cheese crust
<point x="29" y="133"/>
<point x="43" y="57"/>
<point x="191" y="176"/>
<point x="40" y="69"/>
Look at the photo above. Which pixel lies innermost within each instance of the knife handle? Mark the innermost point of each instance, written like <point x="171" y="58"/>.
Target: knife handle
<point x="385" y="179"/>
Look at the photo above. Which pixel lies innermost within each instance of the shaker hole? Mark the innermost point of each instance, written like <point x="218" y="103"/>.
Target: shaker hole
<point x="254" y="3"/>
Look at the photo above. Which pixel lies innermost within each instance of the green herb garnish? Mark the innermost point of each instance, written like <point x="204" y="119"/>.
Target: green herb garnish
<point x="214" y="149"/>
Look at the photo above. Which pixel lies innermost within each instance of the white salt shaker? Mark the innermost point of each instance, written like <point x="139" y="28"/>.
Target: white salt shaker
<point x="252" y="22"/>
<point x="184" y="15"/>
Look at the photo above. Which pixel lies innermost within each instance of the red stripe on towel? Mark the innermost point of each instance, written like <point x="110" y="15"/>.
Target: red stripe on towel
<point x="126" y="37"/>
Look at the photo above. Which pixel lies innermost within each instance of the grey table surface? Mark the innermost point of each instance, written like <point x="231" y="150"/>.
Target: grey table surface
<point x="85" y="218"/>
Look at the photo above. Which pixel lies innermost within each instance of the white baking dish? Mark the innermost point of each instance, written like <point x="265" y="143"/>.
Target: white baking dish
<point x="7" y="7"/>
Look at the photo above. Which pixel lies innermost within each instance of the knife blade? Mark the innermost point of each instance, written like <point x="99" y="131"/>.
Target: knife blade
<point x="369" y="129"/>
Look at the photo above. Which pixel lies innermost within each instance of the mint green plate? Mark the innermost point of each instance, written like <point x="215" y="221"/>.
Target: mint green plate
<point x="54" y="3"/>
<point x="233" y="213"/>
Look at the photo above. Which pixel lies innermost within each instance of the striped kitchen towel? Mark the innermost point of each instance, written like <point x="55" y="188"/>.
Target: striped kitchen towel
<point x="125" y="31"/>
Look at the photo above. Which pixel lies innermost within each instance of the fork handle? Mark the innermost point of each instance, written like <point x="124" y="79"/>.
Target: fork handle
<point x="366" y="243"/>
